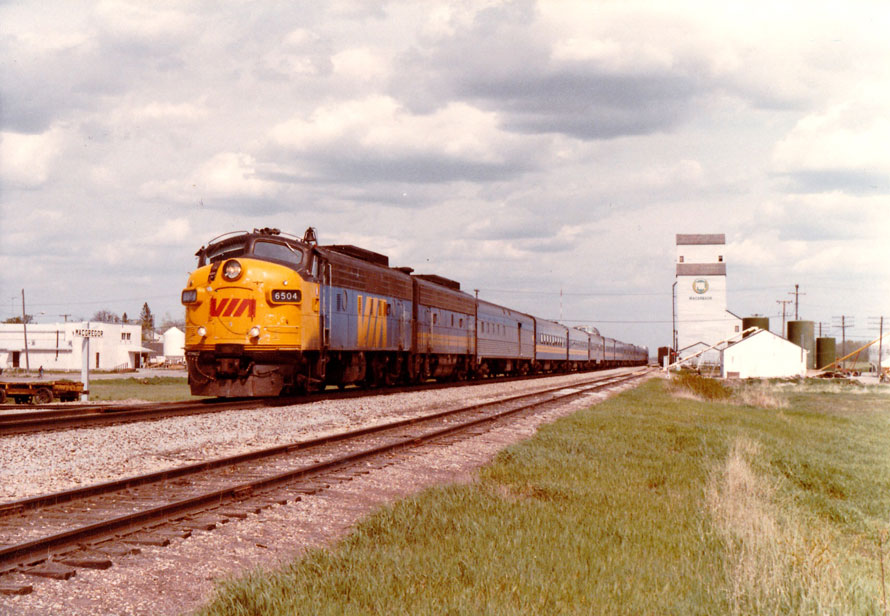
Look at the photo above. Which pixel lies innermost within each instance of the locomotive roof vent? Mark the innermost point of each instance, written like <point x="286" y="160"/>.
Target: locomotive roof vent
<point x="360" y="253"/>
<point x="405" y="269"/>
<point x="445" y="282"/>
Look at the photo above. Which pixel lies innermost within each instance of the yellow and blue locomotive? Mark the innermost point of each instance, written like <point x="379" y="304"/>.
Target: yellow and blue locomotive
<point x="270" y="313"/>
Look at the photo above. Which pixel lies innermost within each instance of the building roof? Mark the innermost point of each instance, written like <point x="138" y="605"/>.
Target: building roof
<point x="759" y="332"/>
<point x="700" y="239"/>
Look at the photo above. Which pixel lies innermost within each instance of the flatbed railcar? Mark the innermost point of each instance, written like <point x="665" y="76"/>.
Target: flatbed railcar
<point x="40" y="392"/>
<point x="270" y="313"/>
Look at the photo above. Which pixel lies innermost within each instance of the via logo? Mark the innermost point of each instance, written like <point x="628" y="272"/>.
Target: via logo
<point x="700" y="286"/>
<point x="371" y="322"/>
<point x="227" y="307"/>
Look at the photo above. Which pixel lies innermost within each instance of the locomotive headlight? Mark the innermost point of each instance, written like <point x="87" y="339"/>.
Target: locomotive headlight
<point x="202" y="331"/>
<point x="189" y="296"/>
<point x="231" y="270"/>
<point x="254" y="332"/>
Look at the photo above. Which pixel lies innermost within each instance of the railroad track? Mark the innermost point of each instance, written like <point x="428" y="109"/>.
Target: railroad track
<point x="104" y="415"/>
<point x="13" y="421"/>
<point x="55" y="534"/>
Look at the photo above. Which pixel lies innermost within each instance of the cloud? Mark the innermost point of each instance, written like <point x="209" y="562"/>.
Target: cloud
<point x="512" y="60"/>
<point x="843" y="147"/>
<point x="376" y="139"/>
<point x="167" y="112"/>
<point x="26" y="160"/>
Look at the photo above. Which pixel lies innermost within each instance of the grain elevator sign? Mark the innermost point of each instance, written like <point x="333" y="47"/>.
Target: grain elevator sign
<point x="700" y="286"/>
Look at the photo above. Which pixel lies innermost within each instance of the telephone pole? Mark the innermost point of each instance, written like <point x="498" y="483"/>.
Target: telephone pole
<point x="796" y="293"/>
<point x="784" y="302"/>
<point x="25" y="330"/>
<point x="845" y="323"/>
<point x="880" y="323"/>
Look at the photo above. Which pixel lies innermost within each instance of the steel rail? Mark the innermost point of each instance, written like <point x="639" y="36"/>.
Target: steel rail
<point x="55" y="498"/>
<point x="103" y="415"/>
<point x="37" y="550"/>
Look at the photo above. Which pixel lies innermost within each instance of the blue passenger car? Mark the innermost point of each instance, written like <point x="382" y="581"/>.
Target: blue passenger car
<point x="505" y="340"/>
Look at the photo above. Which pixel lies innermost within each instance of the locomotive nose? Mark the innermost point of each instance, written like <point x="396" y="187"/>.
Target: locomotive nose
<point x="234" y="310"/>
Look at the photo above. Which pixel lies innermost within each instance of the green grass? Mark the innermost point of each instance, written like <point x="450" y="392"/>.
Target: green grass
<point x="645" y="504"/>
<point x="150" y="389"/>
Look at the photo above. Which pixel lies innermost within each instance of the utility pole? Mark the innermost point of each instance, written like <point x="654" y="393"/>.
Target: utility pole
<point x="880" y="323"/>
<point x="65" y="316"/>
<point x="795" y="293"/>
<point x="25" y="330"/>
<point x="784" y="302"/>
<point x="845" y="323"/>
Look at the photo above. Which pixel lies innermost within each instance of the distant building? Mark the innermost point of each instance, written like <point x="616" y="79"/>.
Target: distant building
<point x="59" y="346"/>
<point x="701" y="318"/>
<point x="763" y="354"/>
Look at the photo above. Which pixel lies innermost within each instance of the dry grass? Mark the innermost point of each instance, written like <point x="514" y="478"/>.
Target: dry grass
<point x="695" y="387"/>
<point x="773" y="565"/>
<point x="760" y="397"/>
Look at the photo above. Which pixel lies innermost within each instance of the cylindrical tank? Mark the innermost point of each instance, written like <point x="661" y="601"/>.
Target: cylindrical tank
<point x="761" y="322"/>
<point x="826" y="352"/>
<point x="802" y="333"/>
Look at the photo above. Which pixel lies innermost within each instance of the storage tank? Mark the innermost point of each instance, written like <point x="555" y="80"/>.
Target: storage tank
<point x="802" y="333"/>
<point x="761" y="322"/>
<point x="826" y="352"/>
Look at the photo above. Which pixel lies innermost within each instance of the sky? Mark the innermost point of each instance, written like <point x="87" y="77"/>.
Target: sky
<point x="544" y="153"/>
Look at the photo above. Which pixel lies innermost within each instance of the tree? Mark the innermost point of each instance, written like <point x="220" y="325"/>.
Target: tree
<point x="148" y="322"/>
<point x="168" y="321"/>
<point x="106" y="316"/>
<point x="29" y="318"/>
<point x="124" y="319"/>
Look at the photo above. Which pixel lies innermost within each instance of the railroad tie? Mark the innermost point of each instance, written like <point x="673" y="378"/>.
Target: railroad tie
<point x="116" y="550"/>
<point x="149" y="540"/>
<point x="85" y="562"/>
<point x="52" y="571"/>
<point x="15" y="589"/>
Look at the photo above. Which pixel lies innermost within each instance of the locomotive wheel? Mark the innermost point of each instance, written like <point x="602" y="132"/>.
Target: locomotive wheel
<point x="43" y="396"/>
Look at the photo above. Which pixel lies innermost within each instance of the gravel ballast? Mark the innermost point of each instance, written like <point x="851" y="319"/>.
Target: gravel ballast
<point x="179" y="578"/>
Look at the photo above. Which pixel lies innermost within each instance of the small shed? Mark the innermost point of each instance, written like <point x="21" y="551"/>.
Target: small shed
<point x="763" y="354"/>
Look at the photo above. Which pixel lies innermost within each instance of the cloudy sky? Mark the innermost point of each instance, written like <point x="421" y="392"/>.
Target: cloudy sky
<point x="525" y="149"/>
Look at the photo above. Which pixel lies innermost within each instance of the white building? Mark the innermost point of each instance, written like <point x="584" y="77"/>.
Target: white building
<point x="701" y="318"/>
<point x="174" y="345"/>
<point x="59" y="346"/>
<point x="763" y="354"/>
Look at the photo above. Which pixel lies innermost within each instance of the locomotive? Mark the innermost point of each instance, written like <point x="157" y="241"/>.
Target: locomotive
<point x="269" y="313"/>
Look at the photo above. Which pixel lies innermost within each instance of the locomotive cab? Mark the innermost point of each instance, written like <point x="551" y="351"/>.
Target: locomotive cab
<point x="252" y="315"/>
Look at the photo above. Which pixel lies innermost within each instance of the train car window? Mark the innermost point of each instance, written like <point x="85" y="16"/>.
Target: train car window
<point x="435" y="318"/>
<point x="452" y="320"/>
<point x="460" y="324"/>
<point x="277" y="252"/>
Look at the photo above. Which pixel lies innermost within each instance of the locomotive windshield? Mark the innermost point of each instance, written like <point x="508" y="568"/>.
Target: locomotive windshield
<point x="224" y="251"/>
<point x="277" y="252"/>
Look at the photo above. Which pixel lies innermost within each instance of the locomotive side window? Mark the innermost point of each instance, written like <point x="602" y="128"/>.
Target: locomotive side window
<point x="277" y="252"/>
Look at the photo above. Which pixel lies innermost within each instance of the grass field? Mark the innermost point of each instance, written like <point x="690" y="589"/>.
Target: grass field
<point x="654" y="502"/>
<point x="150" y="389"/>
